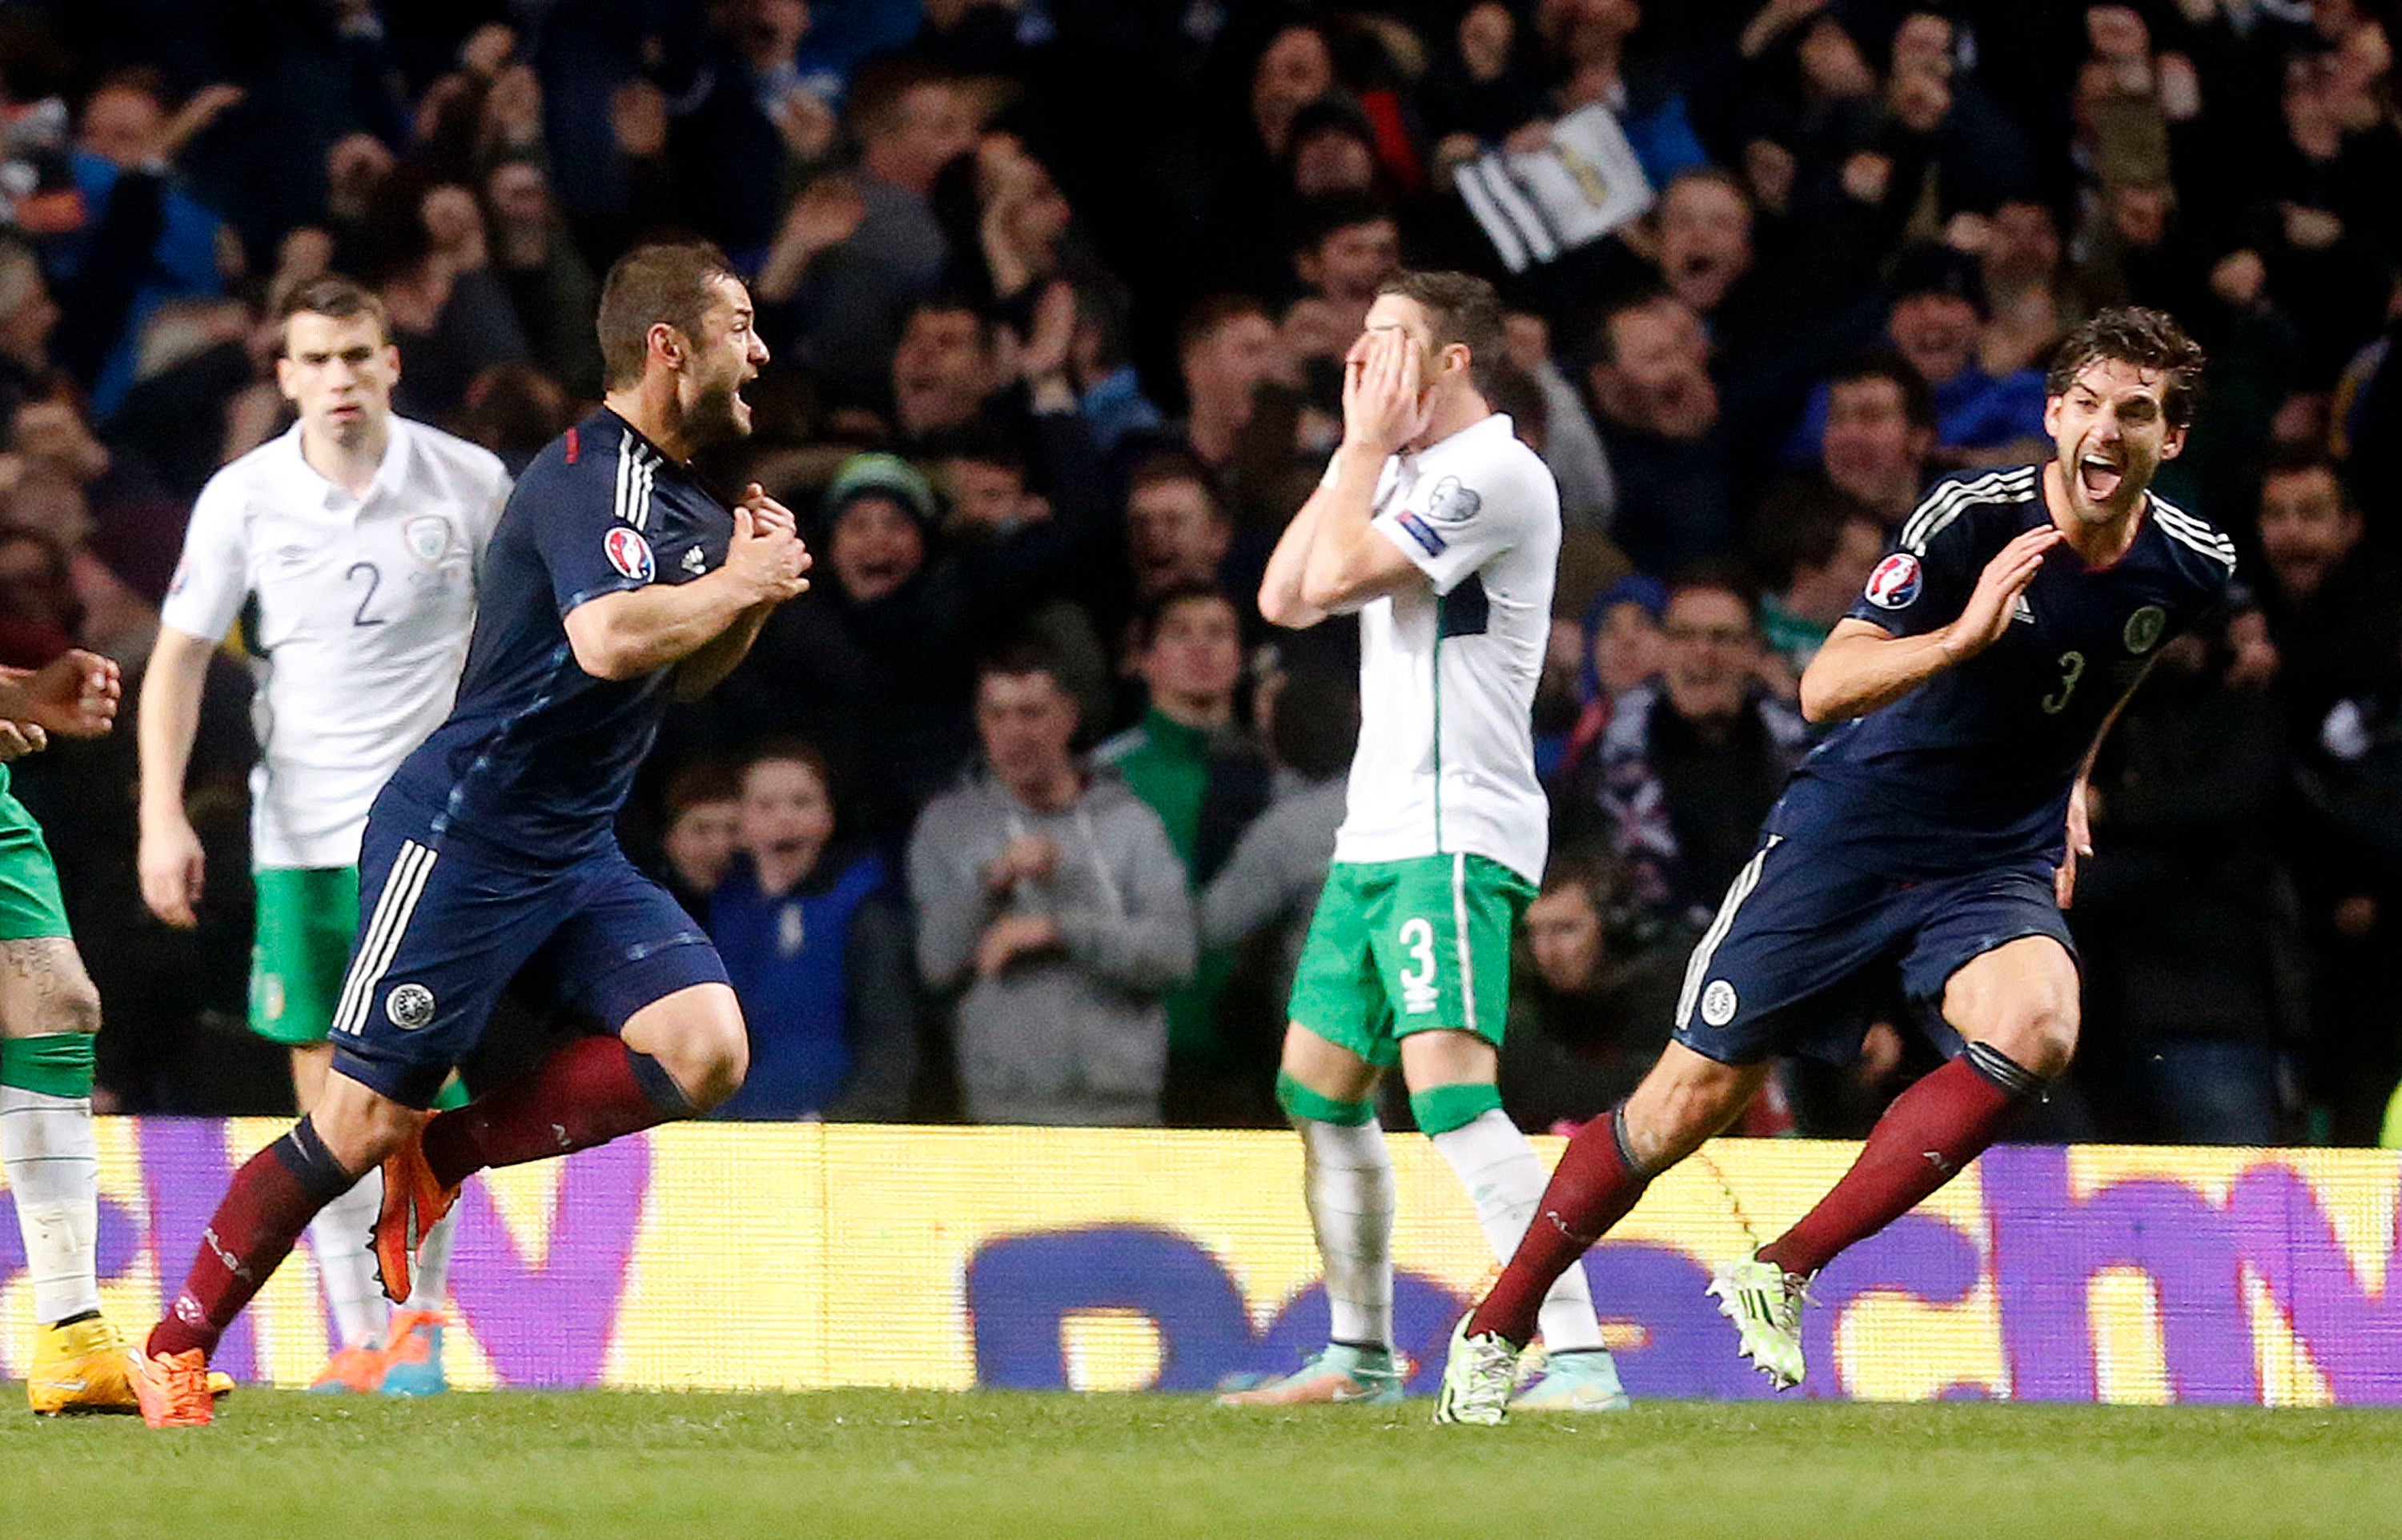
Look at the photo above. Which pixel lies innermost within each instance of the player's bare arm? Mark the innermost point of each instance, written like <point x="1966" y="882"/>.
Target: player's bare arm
<point x="169" y="861"/>
<point x="707" y="669"/>
<point x="1863" y="666"/>
<point x="1384" y="407"/>
<point x="2080" y="796"/>
<point x="625" y="636"/>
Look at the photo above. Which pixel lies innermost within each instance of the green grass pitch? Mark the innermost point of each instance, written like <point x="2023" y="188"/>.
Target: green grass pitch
<point x="991" y="1465"/>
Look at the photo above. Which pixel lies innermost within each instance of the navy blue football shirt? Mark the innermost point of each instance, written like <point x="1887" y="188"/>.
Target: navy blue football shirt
<point x="1973" y="768"/>
<point x="537" y="756"/>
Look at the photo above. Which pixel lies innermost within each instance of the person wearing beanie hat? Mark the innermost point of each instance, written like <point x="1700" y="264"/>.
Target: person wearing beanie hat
<point x="879" y="518"/>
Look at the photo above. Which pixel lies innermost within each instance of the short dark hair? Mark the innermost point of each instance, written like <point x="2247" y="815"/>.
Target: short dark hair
<point x="1177" y="464"/>
<point x="1321" y="216"/>
<point x="2145" y="339"/>
<point x="1459" y="308"/>
<point x="1155" y="609"/>
<point x="1716" y="577"/>
<point x="665" y="282"/>
<point x="1020" y="656"/>
<point x="1641" y="297"/>
<point x="950" y="302"/>
<point x="2301" y="458"/>
<point x="1917" y="396"/>
<point x="1314" y="726"/>
<point x="331" y="295"/>
<point x="787" y="749"/>
<point x="878" y="87"/>
<point x="1201" y="322"/>
<point x="702" y="780"/>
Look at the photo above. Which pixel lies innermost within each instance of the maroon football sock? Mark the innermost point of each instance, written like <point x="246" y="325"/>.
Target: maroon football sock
<point x="589" y="1093"/>
<point x="1930" y="1131"/>
<point x="1593" y="1188"/>
<point x="270" y="1201"/>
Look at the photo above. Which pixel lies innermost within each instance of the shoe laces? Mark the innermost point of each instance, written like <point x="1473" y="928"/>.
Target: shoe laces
<point x="186" y="1377"/>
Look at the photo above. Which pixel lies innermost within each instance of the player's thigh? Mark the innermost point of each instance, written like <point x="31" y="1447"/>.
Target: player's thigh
<point x="2020" y="998"/>
<point x="442" y="933"/>
<point x="1440" y="931"/>
<point x="44" y="989"/>
<point x="627" y="953"/>
<point x="1340" y="1036"/>
<point x="1994" y="958"/>
<point x="306" y="920"/>
<point x="1785" y="964"/>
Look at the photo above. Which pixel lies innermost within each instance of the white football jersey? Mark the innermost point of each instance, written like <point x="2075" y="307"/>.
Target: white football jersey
<point x="1447" y="670"/>
<point x="364" y="609"/>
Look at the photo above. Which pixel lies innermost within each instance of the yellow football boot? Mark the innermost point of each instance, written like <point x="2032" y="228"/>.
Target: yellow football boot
<point x="80" y="1367"/>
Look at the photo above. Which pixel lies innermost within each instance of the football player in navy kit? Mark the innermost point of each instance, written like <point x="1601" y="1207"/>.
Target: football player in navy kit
<point x="614" y="584"/>
<point x="1925" y="850"/>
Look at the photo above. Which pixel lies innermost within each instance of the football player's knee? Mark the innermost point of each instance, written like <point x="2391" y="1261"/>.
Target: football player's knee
<point x="714" y="1055"/>
<point x="73" y="1006"/>
<point x="2041" y="1035"/>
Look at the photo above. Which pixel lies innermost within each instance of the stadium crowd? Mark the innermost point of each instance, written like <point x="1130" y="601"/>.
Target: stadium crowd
<point x="1014" y="817"/>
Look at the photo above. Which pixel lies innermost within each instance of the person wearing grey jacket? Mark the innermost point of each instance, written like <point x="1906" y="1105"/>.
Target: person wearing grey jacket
<point x="1053" y="900"/>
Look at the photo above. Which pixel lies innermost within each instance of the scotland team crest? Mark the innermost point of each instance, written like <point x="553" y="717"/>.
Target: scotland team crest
<point x="1895" y="583"/>
<point x="2144" y="628"/>
<point x="629" y="553"/>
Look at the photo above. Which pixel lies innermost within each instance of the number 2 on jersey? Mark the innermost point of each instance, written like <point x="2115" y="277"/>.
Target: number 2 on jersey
<point x="2072" y="669"/>
<point x="375" y="581"/>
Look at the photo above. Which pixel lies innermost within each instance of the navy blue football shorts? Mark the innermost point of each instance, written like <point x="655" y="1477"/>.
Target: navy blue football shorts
<point x="445" y="929"/>
<point x="1806" y="950"/>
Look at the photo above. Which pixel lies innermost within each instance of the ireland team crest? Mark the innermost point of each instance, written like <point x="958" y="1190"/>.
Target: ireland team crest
<point x="1895" y="583"/>
<point x="2144" y="628"/>
<point x="427" y="537"/>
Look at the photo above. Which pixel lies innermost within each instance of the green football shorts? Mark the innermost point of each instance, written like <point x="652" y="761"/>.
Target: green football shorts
<point x="30" y="905"/>
<point x="306" y="918"/>
<point x="1418" y="945"/>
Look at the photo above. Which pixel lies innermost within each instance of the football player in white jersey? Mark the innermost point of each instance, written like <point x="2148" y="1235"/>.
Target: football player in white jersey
<point x="1442" y="531"/>
<point x="352" y="543"/>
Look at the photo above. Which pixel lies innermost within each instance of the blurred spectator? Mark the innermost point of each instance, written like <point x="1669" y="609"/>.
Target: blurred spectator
<point x="817" y="952"/>
<point x="1259" y="901"/>
<point x="1816" y="563"/>
<point x="1618" y="648"/>
<point x="1878" y="439"/>
<point x="1051" y="905"/>
<point x="1591" y="992"/>
<point x="1571" y="444"/>
<point x="752" y="123"/>
<point x="548" y="281"/>
<point x="704" y="811"/>
<point x="451" y="318"/>
<point x="1345" y="246"/>
<point x="1196" y="767"/>
<point x="1659" y="424"/>
<point x="910" y="121"/>
<point x="2334" y="609"/>
<point x="944" y="366"/>
<point x="1692" y="762"/>
<point x="1937" y="324"/>
<point x="2189" y="929"/>
<point x="514" y="409"/>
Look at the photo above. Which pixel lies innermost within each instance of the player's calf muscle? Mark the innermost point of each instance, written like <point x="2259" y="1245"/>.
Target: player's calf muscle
<point x="44" y="990"/>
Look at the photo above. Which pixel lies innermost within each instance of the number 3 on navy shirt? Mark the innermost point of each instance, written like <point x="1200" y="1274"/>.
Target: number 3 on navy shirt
<point x="2072" y="669"/>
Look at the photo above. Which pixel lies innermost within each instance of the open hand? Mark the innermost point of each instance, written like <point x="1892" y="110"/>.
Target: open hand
<point x="1384" y="401"/>
<point x="1986" y="617"/>
<point x="74" y="695"/>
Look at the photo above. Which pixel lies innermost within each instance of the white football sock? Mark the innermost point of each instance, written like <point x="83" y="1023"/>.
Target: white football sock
<point x="1505" y="1179"/>
<point x="1350" y="1185"/>
<point x="53" y="1166"/>
<point x="429" y="1281"/>
<point x="342" y="1238"/>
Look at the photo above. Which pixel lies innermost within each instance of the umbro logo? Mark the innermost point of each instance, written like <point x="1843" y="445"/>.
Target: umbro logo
<point x="695" y="562"/>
